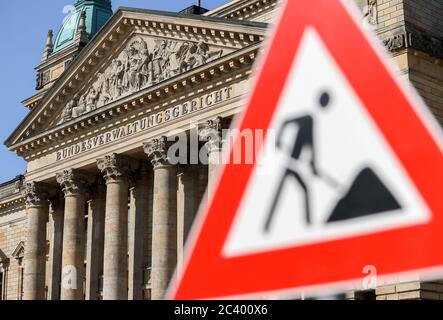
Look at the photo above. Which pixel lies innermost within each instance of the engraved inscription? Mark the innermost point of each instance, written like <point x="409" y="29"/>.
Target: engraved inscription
<point x="150" y="121"/>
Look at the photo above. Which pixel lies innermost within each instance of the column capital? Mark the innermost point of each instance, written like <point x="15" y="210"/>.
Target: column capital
<point x="36" y="194"/>
<point x="157" y="151"/>
<point x="72" y="181"/>
<point x="114" y="167"/>
<point x="211" y="132"/>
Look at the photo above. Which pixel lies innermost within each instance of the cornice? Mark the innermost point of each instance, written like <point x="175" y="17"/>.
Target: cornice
<point x="13" y="222"/>
<point x="241" y="9"/>
<point x="33" y="101"/>
<point x="409" y="38"/>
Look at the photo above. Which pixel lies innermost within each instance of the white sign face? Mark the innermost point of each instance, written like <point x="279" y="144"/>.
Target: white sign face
<point x="332" y="174"/>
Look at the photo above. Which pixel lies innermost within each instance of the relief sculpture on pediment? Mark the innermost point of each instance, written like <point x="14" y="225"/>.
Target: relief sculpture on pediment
<point x="141" y="64"/>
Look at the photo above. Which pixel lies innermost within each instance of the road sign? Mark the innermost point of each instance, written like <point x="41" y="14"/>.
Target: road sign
<point x="355" y="178"/>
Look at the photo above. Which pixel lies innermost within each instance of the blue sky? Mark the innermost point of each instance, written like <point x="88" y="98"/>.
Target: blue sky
<point x="25" y="25"/>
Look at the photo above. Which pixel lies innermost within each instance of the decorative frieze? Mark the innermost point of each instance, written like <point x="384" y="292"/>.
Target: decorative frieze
<point x="398" y="42"/>
<point x="140" y="65"/>
<point x="17" y="201"/>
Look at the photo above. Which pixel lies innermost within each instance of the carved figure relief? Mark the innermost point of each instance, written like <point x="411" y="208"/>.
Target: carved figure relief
<point x="140" y="65"/>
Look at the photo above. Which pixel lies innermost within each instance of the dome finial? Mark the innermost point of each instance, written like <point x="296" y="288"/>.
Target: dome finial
<point x="49" y="47"/>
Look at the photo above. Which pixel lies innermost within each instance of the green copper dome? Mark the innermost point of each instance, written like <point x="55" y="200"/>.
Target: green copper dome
<point x="97" y="14"/>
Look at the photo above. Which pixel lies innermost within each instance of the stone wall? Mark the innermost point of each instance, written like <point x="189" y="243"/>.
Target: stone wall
<point x="426" y="75"/>
<point x="12" y="232"/>
<point x="426" y="62"/>
<point x="412" y="30"/>
<point x="425" y="15"/>
<point x="390" y="13"/>
<point x="411" y="291"/>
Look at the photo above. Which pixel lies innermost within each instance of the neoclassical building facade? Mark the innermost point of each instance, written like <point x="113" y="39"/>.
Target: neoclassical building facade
<point x="102" y="211"/>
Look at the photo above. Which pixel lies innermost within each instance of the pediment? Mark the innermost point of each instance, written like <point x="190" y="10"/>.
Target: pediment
<point x="19" y="251"/>
<point x="142" y="62"/>
<point x="135" y="50"/>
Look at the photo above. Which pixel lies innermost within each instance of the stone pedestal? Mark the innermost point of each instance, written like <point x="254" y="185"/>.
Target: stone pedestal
<point x="73" y="269"/>
<point x="115" y="267"/>
<point x="164" y="224"/>
<point x="35" y="253"/>
<point x="95" y="240"/>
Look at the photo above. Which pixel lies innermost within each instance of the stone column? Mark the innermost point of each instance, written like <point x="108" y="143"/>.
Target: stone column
<point x="187" y="207"/>
<point x="147" y="239"/>
<point x="56" y="248"/>
<point x="116" y="169"/>
<point x="35" y="254"/>
<point x="138" y="223"/>
<point x="74" y="185"/>
<point x="201" y="178"/>
<point x="211" y="131"/>
<point x="164" y="224"/>
<point x="95" y="240"/>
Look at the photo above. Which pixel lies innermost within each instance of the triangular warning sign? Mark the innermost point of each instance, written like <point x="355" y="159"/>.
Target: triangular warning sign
<point x="332" y="172"/>
<point x="354" y="179"/>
